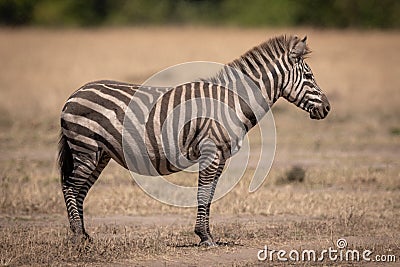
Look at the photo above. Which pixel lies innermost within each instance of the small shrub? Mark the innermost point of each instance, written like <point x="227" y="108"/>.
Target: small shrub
<point x="296" y="174"/>
<point x="395" y="131"/>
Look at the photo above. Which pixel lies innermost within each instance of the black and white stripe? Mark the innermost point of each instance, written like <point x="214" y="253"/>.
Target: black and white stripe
<point x="206" y="121"/>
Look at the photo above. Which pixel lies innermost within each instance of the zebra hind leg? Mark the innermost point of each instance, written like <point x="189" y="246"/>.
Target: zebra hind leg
<point x="75" y="186"/>
<point x="208" y="178"/>
<point x="104" y="159"/>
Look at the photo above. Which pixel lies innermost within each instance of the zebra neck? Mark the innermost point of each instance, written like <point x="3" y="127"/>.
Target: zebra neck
<point x="265" y="74"/>
<point x="248" y="88"/>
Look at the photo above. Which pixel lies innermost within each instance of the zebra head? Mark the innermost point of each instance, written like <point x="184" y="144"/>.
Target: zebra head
<point x="302" y="89"/>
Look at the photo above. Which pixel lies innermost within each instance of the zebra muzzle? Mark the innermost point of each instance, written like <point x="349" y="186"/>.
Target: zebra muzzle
<point x="320" y="112"/>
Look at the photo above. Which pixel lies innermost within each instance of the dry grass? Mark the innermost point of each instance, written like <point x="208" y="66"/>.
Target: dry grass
<point x="352" y="173"/>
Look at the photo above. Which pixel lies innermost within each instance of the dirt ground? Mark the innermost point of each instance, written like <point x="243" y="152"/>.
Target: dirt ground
<point x="351" y="188"/>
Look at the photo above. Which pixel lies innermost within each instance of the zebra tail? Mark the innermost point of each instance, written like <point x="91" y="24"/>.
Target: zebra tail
<point x="65" y="161"/>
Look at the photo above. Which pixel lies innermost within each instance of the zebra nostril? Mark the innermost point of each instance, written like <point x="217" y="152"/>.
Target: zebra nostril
<point x="327" y="108"/>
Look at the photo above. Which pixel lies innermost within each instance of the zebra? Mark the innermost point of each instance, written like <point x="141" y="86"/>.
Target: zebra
<point x="92" y="119"/>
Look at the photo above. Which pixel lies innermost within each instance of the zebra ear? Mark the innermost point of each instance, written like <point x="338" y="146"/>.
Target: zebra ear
<point x="299" y="49"/>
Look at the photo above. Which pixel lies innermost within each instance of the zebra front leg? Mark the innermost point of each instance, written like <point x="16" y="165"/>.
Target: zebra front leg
<point x="214" y="185"/>
<point x="208" y="178"/>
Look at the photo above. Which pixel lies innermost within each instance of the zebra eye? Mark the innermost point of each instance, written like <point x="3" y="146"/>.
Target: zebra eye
<point x="308" y="76"/>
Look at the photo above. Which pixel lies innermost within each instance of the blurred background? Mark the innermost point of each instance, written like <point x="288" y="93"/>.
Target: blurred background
<point x="328" y="13"/>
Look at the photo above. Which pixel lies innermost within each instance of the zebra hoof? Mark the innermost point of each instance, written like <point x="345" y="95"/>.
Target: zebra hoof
<point x="81" y="241"/>
<point x="208" y="243"/>
<point x="84" y="246"/>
